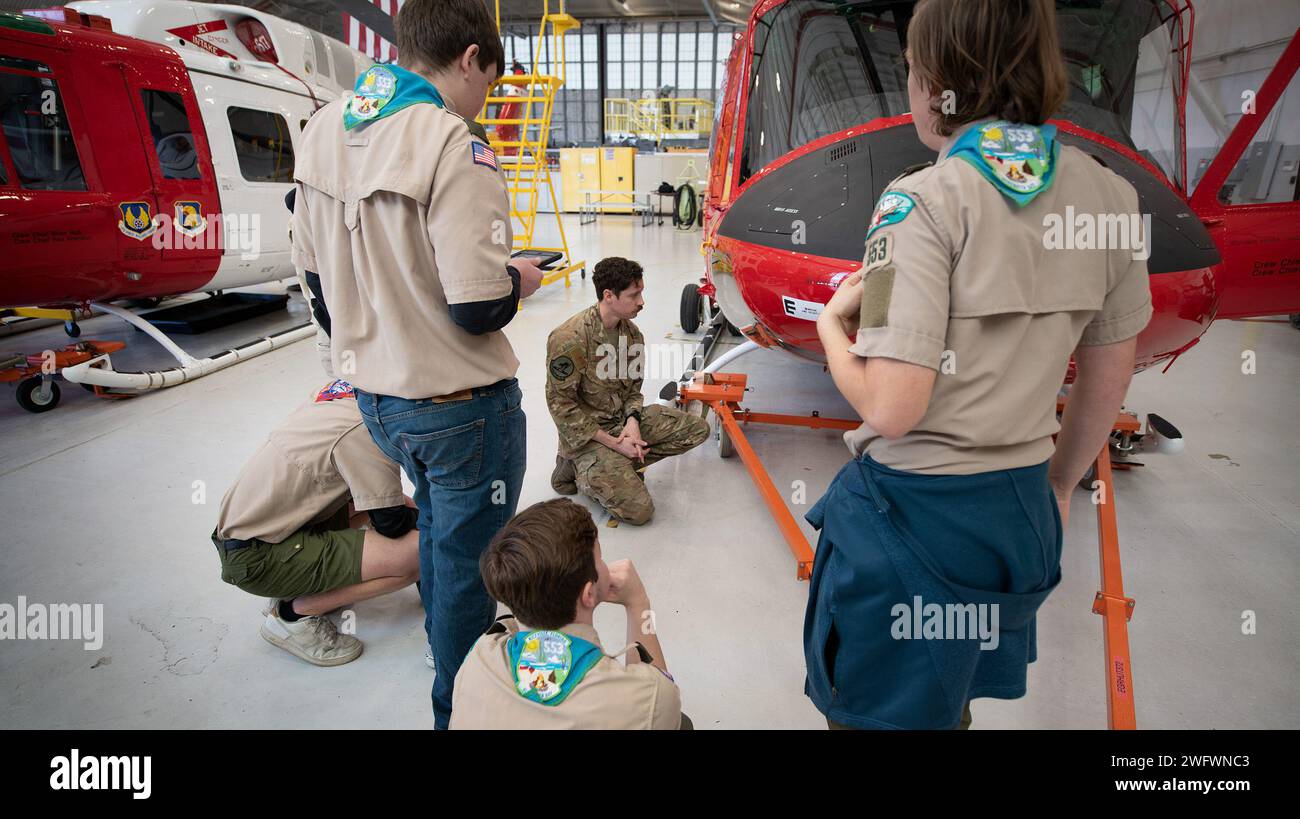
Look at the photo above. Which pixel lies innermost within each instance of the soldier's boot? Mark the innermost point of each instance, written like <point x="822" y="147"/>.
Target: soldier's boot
<point x="564" y="479"/>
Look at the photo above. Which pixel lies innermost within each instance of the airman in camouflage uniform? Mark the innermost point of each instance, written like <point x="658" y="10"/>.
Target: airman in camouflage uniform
<point x="595" y="368"/>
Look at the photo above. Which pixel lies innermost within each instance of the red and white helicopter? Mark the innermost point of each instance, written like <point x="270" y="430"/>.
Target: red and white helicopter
<point x="146" y="149"/>
<point x="822" y="148"/>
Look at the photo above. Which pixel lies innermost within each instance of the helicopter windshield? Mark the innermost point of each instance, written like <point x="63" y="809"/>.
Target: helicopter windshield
<point x="821" y="66"/>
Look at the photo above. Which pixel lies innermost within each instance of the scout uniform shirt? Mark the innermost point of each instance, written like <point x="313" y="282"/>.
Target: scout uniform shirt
<point x="527" y="688"/>
<point x="311" y="464"/>
<point x="593" y="377"/>
<point x="402" y="211"/>
<point x="962" y="275"/>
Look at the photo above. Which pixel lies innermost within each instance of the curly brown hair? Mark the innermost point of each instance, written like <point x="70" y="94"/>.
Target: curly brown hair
<point x="616" y="274"/>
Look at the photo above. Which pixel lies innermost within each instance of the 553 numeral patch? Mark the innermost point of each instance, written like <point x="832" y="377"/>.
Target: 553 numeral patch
<point x="880" y="252"/>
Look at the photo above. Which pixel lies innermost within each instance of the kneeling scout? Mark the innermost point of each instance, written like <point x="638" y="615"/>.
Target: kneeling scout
<point x="286" y="526"/>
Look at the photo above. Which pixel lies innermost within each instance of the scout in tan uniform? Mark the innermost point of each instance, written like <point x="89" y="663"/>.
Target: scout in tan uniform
<point x="284" y="529"/>
<point x="595" y="368"/>
<point x="402" y="211"/>
<point x="952" y="343"/>
<point x="545" y="566"/>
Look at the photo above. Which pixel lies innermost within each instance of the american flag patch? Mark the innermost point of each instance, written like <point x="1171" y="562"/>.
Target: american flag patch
<point x="483" y="155"/>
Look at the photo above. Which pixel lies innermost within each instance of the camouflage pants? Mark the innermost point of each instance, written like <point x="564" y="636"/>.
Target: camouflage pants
<point x="611" y="479"/>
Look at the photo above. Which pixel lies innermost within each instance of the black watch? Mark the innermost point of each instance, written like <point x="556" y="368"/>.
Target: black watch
<point x="633" y="414"/>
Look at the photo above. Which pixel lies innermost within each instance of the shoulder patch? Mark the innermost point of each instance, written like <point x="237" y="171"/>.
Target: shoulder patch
<point x="561" y="367"/>
<point x="880" y="252"/>
<point x="481" y="154"/>
<point x="892" y="208"/>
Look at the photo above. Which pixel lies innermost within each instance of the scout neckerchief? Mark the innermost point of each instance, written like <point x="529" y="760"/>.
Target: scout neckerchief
<point x="548" y="665"/>
<point x="1020" y="160"/>
<point x="386" y="89"/>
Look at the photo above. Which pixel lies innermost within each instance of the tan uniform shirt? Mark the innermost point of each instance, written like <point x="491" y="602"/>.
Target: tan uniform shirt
<point x="966" y="284"/>
<point x="400" y="221"/>
<point x="610" y="696"/>
<point x="593" y="377"/>
<point x="312" y="463"/>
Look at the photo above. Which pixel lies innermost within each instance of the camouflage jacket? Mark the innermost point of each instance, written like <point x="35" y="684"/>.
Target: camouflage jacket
<point x="593" y="377"/>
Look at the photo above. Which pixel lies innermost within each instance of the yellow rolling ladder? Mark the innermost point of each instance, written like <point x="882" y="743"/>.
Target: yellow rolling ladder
<point x="517" y="117"/>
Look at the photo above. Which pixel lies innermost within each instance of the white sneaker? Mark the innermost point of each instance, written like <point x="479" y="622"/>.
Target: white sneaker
<point x="428" y="659"/>
<point x="314" y="639"/>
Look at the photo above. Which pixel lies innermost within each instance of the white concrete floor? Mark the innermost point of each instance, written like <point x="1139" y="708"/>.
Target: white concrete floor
<point x="97" y="500"/>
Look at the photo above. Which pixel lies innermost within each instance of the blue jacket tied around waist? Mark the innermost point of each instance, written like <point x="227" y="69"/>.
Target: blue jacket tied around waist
<point x="966" y="550"/>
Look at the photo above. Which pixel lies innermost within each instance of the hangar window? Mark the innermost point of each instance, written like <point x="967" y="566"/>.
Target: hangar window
<point x="173" y="142"/>
<point x="262" y="144"/>
<point x="36" y="130"/>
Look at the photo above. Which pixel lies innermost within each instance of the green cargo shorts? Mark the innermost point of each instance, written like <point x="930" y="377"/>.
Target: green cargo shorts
<point x="307" y="562"/>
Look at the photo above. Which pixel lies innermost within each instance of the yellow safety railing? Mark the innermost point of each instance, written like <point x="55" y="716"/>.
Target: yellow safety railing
<point x="517" y="117"/>
<point x="658" y="118"/>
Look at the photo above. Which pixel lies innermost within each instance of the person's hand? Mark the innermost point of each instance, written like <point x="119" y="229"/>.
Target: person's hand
<point x="1062" y="495"/>
<point x="632" y="431"/>
<point x="845" y="307"/>
<point x="630" y="448"/>
<point x="625" y="586"/>
<point x="530" y="275"/>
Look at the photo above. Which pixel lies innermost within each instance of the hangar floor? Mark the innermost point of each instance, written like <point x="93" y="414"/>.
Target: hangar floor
<point x="97" y="499"/>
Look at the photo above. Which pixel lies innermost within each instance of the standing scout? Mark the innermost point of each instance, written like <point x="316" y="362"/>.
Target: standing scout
<point x="284" y="530"/>
<point x="402" y="211"/>
<point x="547" y="669"/>
<point x="952" y="344"/>
<point x="595" y="366"/>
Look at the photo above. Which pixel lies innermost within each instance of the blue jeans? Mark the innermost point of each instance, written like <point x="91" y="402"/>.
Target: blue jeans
<point x="466" y="459"/>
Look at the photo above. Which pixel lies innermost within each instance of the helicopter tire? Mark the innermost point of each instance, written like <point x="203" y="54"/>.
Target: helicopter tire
<point x="691" y="308"/>
<point x="29" y="395"/>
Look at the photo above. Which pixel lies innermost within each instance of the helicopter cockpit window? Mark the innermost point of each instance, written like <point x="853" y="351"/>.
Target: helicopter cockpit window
<point x="169" y="127"/>
<point x="36" y="130"/>
<point x="262" y="144"/>
<point x="1121" y="57"/>
<point x="820" y="68"/>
